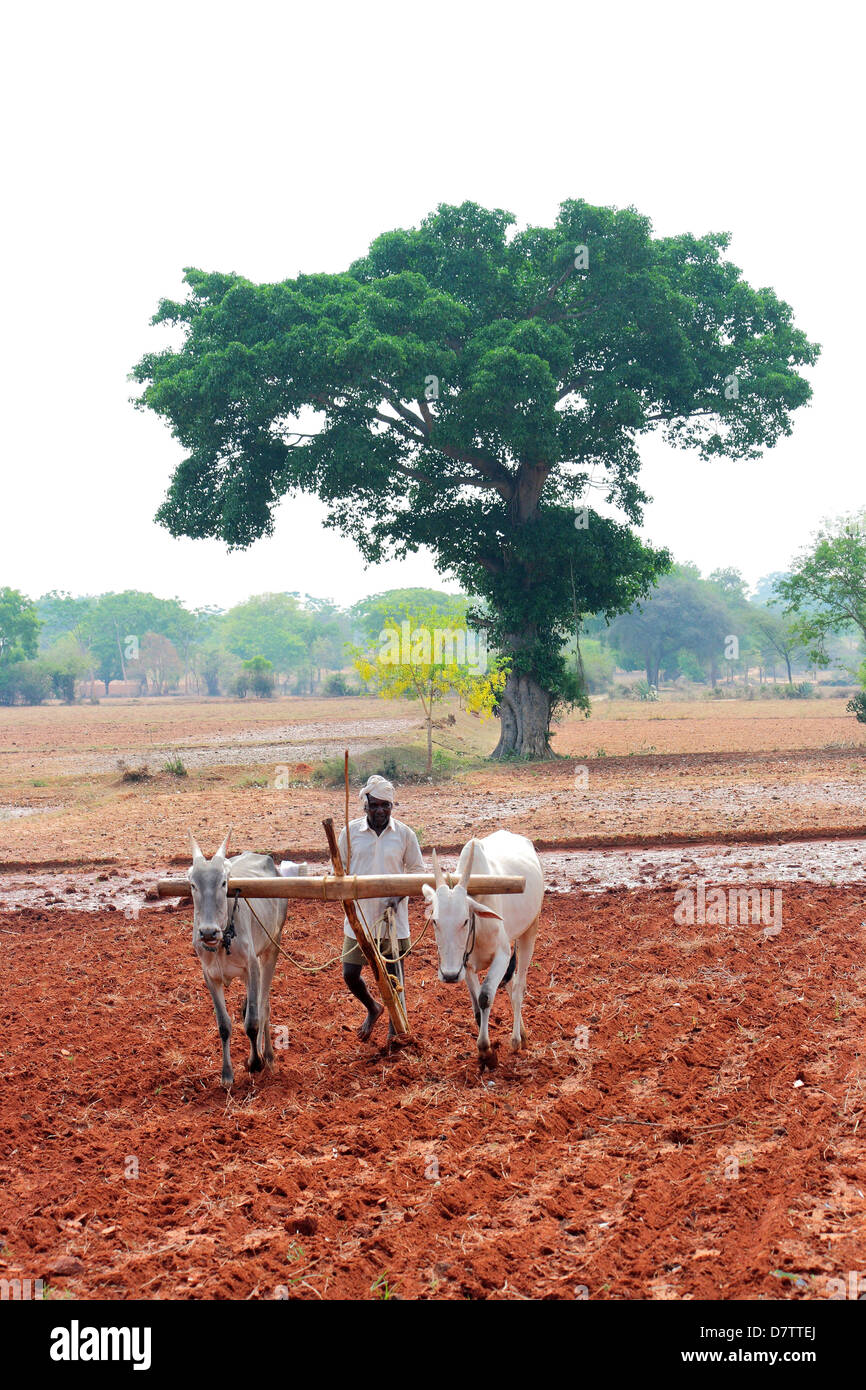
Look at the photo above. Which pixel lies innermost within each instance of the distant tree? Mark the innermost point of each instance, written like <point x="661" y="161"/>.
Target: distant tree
<point x="260" y="674"/>
<point x="271" y="625"/>
<point x="159" y="661"/>
<point x="61" y="614"/>
<point x="729" y="582"/>
<point x="778" y="635"/>
<point x="66" y="662"/>
<point x="826" y="588"/>
<point x="19" y="626"/>
<point x="112" y="629"/>
<point x="682" y="611"/>
<point x="765" y="591"/>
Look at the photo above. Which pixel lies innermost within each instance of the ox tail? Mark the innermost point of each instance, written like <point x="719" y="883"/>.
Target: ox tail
<point x="512" y="966"/>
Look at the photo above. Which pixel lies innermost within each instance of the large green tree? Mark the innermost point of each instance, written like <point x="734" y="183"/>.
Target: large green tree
<point x="826" y="588"/>
<point x="473" y="385"/>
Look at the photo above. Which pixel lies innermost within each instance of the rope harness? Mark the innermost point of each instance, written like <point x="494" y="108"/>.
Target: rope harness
<point x="229" y="933"/>
<point x="470" y="940"/>
<point x="374" y="936"/>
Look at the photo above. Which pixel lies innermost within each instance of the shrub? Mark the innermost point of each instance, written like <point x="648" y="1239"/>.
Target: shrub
<point x="24" y="683"/>
<point x="336" y="684"/>
<point x="644" y="691"/>
<point x="133" y="774"/>
<point x="857" y="706"/>
<point x="803" y="691"/>
<point x="175" y="766"/>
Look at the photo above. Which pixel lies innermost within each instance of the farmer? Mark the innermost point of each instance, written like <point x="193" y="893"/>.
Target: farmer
<point x="378" y="844"/>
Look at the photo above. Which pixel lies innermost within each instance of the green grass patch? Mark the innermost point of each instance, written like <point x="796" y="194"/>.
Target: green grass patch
<point x="401" y="764"/>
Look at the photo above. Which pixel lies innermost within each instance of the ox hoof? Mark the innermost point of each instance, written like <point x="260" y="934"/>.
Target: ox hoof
<point x="255" y="1064"/>
<point x="227" y="1081"/>
<point x="516" y="1044"/>
<point x="487" y="1060"/>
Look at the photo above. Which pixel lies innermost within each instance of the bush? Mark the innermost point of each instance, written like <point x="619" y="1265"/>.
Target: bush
<point x="857" y="706"/>
<point x="133" y="774"/>
<point x="644" y="691"/>
<point x="803" y="691"/>
<point x="175" y="766"/>
<point x="24" y="683"/>
<point x="336" y="684"/>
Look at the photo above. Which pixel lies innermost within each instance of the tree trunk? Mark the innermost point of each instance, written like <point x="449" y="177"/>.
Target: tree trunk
<point x="524" y="714"/>
<point x="430" y="743"/>
<point x="788" y="664"/>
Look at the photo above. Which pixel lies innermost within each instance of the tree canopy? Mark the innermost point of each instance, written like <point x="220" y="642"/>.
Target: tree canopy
<point x="472" y="384"/>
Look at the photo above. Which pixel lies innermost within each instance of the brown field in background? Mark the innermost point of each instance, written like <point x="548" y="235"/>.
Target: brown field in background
<point x="729" y="768"/>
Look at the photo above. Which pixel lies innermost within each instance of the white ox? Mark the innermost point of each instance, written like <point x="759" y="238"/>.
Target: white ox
<point x="233" y="944"/>
<point x="475" y="934"/>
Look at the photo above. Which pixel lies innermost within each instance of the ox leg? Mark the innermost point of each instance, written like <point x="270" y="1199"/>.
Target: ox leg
<point x="498" y="967"/>
<point x="252" y="1022"/>
<point x="525" y="946"/>
<point x="224" y="1024"/>
<point x="268" y="966"/>
<point x="473" y="985"/>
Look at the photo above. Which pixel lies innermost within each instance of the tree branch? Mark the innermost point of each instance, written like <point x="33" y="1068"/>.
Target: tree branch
<point x="537" y="308"/>
<point x="396" y="404"/>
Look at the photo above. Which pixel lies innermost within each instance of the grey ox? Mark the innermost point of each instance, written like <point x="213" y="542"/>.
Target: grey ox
<point x="231" y="945"/>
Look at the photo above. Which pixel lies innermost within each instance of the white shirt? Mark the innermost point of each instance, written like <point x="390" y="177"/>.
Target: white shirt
<point x="395" y="851"/>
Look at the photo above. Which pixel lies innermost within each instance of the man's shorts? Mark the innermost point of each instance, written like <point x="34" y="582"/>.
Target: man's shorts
<point x="353" y="955"/>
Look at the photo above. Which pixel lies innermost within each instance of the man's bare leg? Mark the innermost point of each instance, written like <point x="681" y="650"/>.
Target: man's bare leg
<point x="354" y="982"/>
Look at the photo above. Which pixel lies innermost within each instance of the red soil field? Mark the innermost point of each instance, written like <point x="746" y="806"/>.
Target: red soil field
<point x="600" y="1171"/>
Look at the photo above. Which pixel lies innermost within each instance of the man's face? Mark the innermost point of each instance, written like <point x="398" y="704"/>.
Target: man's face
<point x="378" y="813"/>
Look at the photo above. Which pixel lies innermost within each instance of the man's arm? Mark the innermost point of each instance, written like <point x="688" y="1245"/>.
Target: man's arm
<point x="413" y="861"/>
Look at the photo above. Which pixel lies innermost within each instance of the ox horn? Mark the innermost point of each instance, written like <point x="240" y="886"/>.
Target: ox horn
<point x="193" y="844"/>
<point x="467" y="872"/>
<point x="437" y="871"/>
<point x="225" y="844"/>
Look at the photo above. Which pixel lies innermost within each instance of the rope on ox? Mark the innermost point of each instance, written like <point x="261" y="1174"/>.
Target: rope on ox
<point x="315" y="969"/>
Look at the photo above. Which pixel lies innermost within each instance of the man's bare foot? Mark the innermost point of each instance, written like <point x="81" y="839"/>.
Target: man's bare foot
<point x="370" y="1021"/>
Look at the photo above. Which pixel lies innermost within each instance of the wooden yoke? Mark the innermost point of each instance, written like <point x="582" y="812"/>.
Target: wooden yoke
<point x="390" y="996"/>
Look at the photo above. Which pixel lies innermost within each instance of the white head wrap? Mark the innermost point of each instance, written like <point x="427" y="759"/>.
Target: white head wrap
<point x="379" y="787"/>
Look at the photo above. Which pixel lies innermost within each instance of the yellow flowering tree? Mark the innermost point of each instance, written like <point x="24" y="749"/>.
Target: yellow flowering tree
<point x="428" y="654"/>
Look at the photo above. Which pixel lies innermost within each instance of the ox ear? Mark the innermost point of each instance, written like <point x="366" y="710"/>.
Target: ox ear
<point x="196" y="852"/>
<point x="429" y="897"/>
<point x="467" y="872"/>
<point x="482" y="910"/>
<point x="437" y="871"/>
<point x="221" y="852"/>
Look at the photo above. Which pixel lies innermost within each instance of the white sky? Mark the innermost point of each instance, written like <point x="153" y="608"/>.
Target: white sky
<point x="267" y="140"/>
